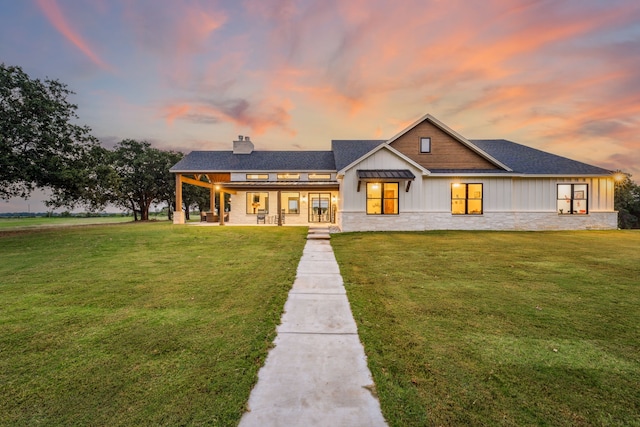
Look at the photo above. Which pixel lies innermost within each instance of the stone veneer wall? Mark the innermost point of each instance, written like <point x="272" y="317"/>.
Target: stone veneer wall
<point x="526" y="221"/>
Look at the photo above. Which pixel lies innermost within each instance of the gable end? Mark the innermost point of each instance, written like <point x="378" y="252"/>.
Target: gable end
<point x="446" y="152"/>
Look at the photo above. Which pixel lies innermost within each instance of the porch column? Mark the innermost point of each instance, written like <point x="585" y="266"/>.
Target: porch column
<point x="221" y="209"/>
<point x="178" y="214"/>
<point x="279" y="207"/>
<point x="212" y="199"/>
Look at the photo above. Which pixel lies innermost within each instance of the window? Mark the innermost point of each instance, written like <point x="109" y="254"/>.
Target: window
<point x="425" y="145"/>
<point x="288" y="176"/>
<point x="572" y="199"/>
<point x="290" y="202"/>
<point x="318" y="176"/>
<point x="257" y="202"/>
<point x="257" y="176"/>
<point x="382" y="198"/>
<point x="466" y="199"/>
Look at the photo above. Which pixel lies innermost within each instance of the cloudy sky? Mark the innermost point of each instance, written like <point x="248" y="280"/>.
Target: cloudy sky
<point x="562" y="76"/>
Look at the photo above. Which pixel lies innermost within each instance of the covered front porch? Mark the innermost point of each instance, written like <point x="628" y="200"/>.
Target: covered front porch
<point x="264" y="203"/>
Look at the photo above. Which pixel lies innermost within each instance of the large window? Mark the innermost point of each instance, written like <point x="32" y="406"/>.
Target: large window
<point x="382" y="198"/>
<point x="290" y="202"/>
<point x="257" y="203"/>
<point x="466" y="199"/>
<point x="572" y="199"/>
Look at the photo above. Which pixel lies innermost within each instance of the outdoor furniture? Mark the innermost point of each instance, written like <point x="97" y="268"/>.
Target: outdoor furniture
<point x="261" y="216"/>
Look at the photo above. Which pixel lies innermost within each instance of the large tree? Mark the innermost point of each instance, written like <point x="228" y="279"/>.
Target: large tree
<point x="143" y="175"/>
<point x="40" y="147"/>
<point x="627" y="201"/>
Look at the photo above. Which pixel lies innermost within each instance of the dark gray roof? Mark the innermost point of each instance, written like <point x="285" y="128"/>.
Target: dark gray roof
<point x="348" y="151"/>
<point x="520" y="158"/>
<point x="385" y="173"/>
<point x="200" y="161"/>
<point x="527" y="160"/>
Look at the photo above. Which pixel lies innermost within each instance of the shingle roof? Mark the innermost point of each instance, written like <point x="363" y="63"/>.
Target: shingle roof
<point x="211" y="161"/>
<point x="527" y="160"/>
<point x="520" y="158"/>
<point x="348" y="151"/>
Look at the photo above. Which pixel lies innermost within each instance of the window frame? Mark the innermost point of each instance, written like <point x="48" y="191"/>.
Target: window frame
<point x="382" y="198"/>
<point x="288" y="177"/>
<point x="424" y="139"/>
<point x="466" y="198"/>
<point x="251" y="196"/>
<point x="286" y="204"/>
<point x="573" y="201"/>
<point x="319" y="176"/>
<point x="257" y="177"/>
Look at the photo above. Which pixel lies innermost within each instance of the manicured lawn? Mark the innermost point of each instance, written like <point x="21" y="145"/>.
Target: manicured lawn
<point x="497" y="328"/>
<point x="138" y="324"/>
<point x="40" y="222"/>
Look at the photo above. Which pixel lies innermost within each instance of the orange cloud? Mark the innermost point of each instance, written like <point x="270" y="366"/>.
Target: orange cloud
<point x="55" y="16"/>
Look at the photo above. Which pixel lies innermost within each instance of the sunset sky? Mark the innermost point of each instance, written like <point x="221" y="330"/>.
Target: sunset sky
<point x="561" y="76"/>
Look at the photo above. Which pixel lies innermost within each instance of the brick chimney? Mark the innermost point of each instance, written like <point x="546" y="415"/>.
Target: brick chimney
<point x="243" y="145"/>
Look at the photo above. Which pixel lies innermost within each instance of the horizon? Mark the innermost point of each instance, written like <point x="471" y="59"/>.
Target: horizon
<point x="188" y="76"/>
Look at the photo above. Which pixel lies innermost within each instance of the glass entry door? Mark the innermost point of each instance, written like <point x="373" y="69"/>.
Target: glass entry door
<point x="319" y="207"/>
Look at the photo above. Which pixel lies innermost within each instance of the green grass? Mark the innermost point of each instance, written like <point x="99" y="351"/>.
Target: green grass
<point x="498" y="328"/>
<point x="138" y="324"/>
<point x="40" y="222"/>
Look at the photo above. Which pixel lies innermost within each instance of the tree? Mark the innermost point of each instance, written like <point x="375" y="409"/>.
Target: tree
<point x="93" y="184"/>
<point x="167" y="183"/>
<point x="627" y="201"/>
<point x="39" y="146"/>
<point x="143" y="176"/>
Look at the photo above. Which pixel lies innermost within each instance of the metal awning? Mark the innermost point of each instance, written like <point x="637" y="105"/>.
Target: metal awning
<point x="380" y="175"/>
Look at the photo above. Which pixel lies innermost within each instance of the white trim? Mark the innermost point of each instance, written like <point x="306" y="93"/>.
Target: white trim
<point x="342" y="171"/>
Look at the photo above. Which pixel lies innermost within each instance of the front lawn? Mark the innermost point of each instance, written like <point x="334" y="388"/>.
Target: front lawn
<point x="138" y="324"/>
<point x="499" y="328"/>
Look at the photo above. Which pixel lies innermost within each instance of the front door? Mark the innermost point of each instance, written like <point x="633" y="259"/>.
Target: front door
<point x="319" y="207"/>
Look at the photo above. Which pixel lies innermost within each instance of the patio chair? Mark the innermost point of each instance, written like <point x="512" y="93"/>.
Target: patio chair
<point x="261" y="216"/>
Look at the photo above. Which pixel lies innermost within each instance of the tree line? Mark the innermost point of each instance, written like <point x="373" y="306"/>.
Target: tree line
<point x="41" y="147"/>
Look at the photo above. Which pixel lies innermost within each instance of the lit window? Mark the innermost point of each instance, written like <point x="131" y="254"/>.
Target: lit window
<point x="382" y="198"/>
<point x="257" y="203"/>
<point x="466" y="199"/>
<point x="425" y="145"/>
<point x="257" y="176"/>
<point x="288" y="176"/>
<point x="319" y="176"/>
<point x="572" y="199"/>
<point x="290" y="202"/>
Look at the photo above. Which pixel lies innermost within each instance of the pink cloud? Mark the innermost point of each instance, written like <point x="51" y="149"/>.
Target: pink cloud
<point x="51" y="10"/>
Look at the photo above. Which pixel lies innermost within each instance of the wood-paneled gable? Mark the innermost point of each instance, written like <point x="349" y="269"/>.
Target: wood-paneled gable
<point x="446" y="151"/>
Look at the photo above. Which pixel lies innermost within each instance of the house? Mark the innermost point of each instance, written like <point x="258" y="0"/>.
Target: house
<point x="427" y="177"/>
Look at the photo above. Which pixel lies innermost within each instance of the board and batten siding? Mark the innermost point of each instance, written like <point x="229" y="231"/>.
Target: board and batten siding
<point x="354" y="201"/>
<point x="514" y="194"/>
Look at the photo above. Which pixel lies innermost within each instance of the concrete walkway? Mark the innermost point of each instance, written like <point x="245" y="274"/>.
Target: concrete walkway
<point x="317" y="374"/>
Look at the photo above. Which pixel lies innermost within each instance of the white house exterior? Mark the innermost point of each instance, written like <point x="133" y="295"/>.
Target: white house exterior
<point x="427" y="177"/>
